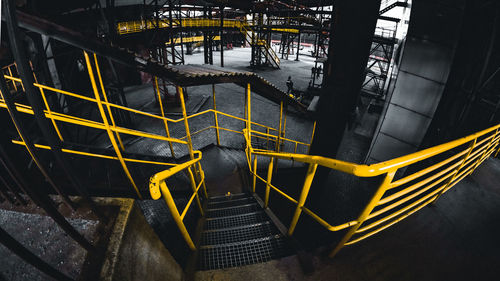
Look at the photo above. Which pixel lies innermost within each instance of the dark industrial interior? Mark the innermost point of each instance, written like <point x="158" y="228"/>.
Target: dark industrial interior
<point x="250" y="140"/>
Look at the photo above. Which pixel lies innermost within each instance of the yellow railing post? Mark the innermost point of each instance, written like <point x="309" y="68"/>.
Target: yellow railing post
<point x="457" y="170"/>
<point x="193" y="186"/>
<point x="267" y="138"/>
<point x="169" y="200"/>
<point x="278" y="141"/>
<point x="254" y="173"/>
<point x="312" y="138"/>
<point x="202" y="174"/>
<point x="268" y="181"/>
<point x="485" y="151"/>
<point x="165" y="122"/>
<point x="215" y="115"/>
<point x="107" y="103"/>
<point x="106" y="124"/>
<point x="366" y="212"/>
<point x="303" y="196"/>
<point x="186" y="122"/>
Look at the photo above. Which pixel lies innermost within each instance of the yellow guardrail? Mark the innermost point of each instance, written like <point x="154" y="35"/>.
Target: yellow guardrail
<point x="143" y="25"/>
<point x="192" y="39"/>
<point x="394" y="199"/>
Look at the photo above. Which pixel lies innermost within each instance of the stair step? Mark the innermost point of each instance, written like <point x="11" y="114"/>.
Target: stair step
<point x="236" y="220"/>
<point x="231" y="211"/>
<point x="224" y="198"/>
<point x="243" y="253"/>
<point x="238" y="234"/>
<point x="230" y="203"/>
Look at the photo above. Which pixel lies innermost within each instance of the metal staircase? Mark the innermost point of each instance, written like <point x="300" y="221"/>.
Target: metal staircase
<point x="252" y="38"/>
<point x="238" y="232"/>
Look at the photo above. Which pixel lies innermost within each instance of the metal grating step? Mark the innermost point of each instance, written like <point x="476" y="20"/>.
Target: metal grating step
<point x="231" y="203"/>
<point x="232" y="211"/>
<point x="224" y="198"/>
<point x="234" y="221"/>
<point x="243" y="253"/>
<point x="238" y="234"/>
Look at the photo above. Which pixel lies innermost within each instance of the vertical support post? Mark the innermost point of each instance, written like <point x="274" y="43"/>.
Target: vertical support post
<point x="107" y="103"/>
<point x="221" y="9"/>
<point x="203" y="178"/>
<point x="278" y="142"/>
<point x="215" y="115"/>
<point x="254" y="173"/>
<point x="249" y="113"/>
<point x="169" y="200"/>
<point x="165" y="122"/>
<point x="298" y="45"/>
<point x="312" y="138"/>
<point x="267" y="138"/>
<point x="268" y="181"/>
<point x="108" y="128"/>
<point x="366" y="212"/>
<point x="186" y="122"/>
<point x="472" y="146"/>
<point x="311" y="170"/>
<point x="193" y="186"/>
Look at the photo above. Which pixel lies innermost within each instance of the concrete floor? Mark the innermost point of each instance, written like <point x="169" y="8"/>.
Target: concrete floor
<point x="456" y="239"/>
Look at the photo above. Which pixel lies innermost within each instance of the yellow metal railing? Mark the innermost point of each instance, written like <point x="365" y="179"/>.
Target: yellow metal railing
<point x="394" y="199"/>
<point x="143" y="25"/>
<point x="115" y="133"/>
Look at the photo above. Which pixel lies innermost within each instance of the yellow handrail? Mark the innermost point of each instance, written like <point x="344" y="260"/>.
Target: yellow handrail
<point x="415" y="190"/>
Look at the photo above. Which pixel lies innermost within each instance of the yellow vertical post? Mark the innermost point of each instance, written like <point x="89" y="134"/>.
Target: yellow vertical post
<point x="215" y="115"/>
<point x="107" y="103"/>
<point x="472" y="146"/>
<point x="193" y="186"/>
<point x="249" y="120"/>
<point x="167" y="196"/>
<point x="106" y="124"/>
<point x="267" y="138"/>
<point x="186" y="122"/>
<point x="312" y="138"/>
<point x="284" y="123"/>
<point x="254" y="173"/>
<point x="13" y="82"/>
<point x="278" y="141"/>
<point x="366" y="212"/>
<point x="46" y="105"/>
<point x="203" y="179"/>
<point x="303" y="196"/>
<point x="165" y="122"/>
<point x="268" y="181"/>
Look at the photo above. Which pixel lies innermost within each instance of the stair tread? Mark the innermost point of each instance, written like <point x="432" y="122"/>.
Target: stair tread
<point x="235" y="220"/>
<point x="237" y="210"/>
<point x="229" y="203"/>
<point x="240" y="254"/>
<point x="224" y="198"/>
<point x="215" y="238"/>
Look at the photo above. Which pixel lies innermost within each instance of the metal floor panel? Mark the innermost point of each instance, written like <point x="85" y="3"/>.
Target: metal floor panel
<point x="240" y="254"/>
<point x="232" y="211"/>
<point x="233" y="221"/>
<point x="239" y="234"/>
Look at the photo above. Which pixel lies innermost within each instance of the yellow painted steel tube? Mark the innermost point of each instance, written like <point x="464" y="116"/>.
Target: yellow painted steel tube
<point x="327" y="225"/>
<point x="108" y="129"/>
<point x="106" y="100"/>
<point x="311" y="170"/>
<point x="254" y="172"/>
<point x="165" y="122"/>
<point x="268" y="181"/>
<point x="364" y="214"/>
<point x="169" y="200"/>
<point x="278" y="142"/>
<point x="51" y="119"/>
<point x="215" y="116"/>
<point x="186" y="122"/>
<point x="312" y="137"/>
<point x="83" y="153"/>
<point x="195" y="190"/>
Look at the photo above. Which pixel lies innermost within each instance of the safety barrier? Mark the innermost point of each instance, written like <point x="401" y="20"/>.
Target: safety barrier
<point x="434" y="171"/>
<point x="250" y="36"/>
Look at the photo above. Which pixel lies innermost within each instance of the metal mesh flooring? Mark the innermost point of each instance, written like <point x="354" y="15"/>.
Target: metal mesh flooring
<point x="231" y="211"/>
<point x="239" y="254"/>
<point x="238" y="232"/>
<point x="233" y="221"/>
<point x="230" y="203"/>
<point x="231" y="235"/>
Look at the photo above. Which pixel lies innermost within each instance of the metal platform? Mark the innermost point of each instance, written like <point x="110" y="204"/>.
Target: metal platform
<point x="238" y="232"/>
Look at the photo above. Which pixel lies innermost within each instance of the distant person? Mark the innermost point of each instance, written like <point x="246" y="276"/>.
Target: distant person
<point x="319" y="71"/>
<point x="289" y="85"/>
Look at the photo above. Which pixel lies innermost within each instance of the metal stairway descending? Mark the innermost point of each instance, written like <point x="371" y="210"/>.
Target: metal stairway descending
<point x="238" y="232"/>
